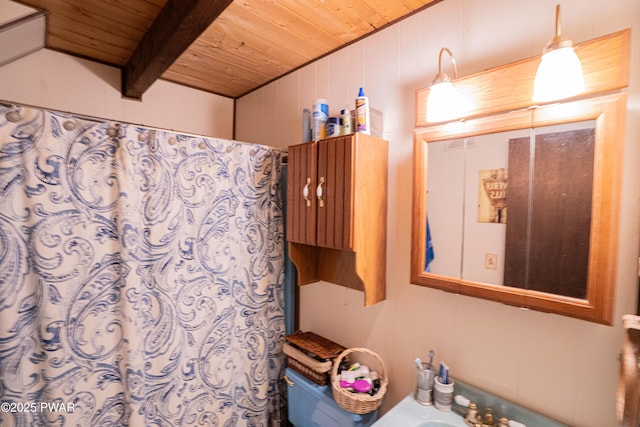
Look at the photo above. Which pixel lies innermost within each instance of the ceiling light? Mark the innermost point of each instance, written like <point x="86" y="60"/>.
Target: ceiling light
<point x="559" y="74"/>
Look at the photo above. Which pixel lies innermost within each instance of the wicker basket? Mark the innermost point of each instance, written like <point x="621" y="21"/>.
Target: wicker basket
<point x="311" y="355"/>
<point x="358" y="403"/>
<point x="316" y="371"/>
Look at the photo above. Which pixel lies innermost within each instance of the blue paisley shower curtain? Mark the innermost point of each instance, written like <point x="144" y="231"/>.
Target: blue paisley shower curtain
<point x="141" y="275"/>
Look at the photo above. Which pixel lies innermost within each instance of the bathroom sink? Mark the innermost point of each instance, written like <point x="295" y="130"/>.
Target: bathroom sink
<point x="409" y="413"/>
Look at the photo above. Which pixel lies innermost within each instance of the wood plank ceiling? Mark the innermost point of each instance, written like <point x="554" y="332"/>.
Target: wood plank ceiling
<point x="220" y="46"/>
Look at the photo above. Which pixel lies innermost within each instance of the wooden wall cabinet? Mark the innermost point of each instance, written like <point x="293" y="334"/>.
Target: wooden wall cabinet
<point x="337" y="212"/>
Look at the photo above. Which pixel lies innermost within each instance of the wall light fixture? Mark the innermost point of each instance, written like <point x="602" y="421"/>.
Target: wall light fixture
<point x="559" y="74"/>
<point x="443" y="102"/>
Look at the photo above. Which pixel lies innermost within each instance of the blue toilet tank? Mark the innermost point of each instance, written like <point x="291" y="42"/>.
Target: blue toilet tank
<point x="312" y="405"/>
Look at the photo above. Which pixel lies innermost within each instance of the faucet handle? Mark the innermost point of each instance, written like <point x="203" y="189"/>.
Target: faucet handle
<point x="472" y="414"/>
<point x="488" y="418"/>
<point x="461" y="400"/>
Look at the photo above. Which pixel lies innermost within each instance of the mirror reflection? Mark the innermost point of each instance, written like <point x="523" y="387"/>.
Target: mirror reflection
<point x="513" y="208"/>
<point x="547" y="241"/>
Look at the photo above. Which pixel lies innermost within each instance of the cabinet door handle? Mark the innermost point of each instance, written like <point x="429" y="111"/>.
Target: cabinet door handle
<point x="319" y="192"/>
<point x="305" y="192"/>
<point x="288" y="381"/>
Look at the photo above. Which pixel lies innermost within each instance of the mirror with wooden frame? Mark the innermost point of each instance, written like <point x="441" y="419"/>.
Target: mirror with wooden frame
<point x="518" y="203"/>
<point x="522" y="208"/>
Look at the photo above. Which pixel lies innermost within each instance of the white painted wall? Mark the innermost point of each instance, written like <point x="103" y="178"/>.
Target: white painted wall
<point x="10" y="11"/>
<point x="61" y="82"/>
<point x="57" y="81"/>
<point x="559" y="366"/>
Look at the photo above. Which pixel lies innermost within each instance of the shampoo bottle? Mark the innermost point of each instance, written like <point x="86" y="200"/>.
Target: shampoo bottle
<point x="319" y="116"/>
<point x="345" y="121"/>
<point x="362" y="113"/>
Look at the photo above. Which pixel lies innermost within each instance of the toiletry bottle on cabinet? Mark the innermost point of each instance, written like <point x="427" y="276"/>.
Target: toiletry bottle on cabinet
<point x="363" y="121"/>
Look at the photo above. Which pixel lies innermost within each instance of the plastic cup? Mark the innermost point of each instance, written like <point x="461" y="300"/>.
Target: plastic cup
<point x="424" y="385"/>
<point x="443" y="395"/>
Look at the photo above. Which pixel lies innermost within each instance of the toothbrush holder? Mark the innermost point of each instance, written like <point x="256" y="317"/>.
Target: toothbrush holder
<point x="443" y="395"/>
<point x="424" y="387"/>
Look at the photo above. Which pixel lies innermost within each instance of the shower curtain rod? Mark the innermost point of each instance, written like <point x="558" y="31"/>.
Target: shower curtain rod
<point x="103" y="119"/>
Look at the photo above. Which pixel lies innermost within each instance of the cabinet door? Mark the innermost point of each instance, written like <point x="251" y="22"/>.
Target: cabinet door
<point x="335" y="192"/>
<point x="301" y="193"/>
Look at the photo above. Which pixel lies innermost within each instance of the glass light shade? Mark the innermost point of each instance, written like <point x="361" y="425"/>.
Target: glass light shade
<point x="559" y="75"/>
<point x="443" y="102"/>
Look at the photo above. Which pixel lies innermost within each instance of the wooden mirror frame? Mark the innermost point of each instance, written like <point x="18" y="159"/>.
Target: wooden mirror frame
<point x="608" y="113"/>
<point x="605" y="63"/>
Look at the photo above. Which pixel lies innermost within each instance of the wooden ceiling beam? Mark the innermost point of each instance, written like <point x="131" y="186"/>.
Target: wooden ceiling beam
<point x="179" y="23"/>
